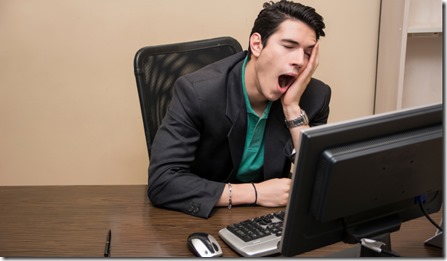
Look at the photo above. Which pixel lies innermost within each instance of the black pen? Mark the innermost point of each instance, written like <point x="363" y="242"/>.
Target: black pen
<point x="108" y="241"/>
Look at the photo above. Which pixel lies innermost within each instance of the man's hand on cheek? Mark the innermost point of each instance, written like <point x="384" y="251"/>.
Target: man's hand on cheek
<point x="293" y="95"/>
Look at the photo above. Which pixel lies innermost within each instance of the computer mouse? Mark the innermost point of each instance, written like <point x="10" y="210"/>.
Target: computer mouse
<point x="204" y="245"/>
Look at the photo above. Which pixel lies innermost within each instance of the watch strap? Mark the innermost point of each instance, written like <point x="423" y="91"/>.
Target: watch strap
<point x="300" y="121"/>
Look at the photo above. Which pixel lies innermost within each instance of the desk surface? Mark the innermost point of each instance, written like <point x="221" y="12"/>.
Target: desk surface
<point x="72" y="221"/>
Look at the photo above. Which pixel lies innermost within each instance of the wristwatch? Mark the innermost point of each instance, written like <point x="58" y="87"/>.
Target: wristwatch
<point x="300" y="121"/>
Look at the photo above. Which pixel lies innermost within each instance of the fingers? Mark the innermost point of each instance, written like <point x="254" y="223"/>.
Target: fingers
<point x="314" y="61"/>
<point x="312" y="64"/>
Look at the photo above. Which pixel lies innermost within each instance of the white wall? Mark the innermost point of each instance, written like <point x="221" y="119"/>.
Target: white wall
<point x="69" y="111"/>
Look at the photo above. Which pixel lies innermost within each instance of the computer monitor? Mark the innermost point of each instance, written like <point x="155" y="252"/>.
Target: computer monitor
<point x="363" y="178"/>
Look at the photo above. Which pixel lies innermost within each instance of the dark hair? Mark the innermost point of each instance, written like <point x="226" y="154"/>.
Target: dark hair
<point x="273" y="14"/>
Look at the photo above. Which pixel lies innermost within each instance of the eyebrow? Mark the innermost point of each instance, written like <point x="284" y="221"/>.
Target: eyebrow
<point x="290" y="41"/>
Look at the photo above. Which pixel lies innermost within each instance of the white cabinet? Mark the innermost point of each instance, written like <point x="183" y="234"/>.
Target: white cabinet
<point x="409" y="66"/>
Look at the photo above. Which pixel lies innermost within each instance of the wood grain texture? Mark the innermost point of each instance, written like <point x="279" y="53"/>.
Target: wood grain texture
<point x="73" y="221"/>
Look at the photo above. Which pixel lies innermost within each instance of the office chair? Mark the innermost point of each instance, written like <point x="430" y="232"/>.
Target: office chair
<point x="156" y="69"/>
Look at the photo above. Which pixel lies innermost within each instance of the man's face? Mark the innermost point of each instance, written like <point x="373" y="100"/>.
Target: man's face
<point x="283" y="58"/>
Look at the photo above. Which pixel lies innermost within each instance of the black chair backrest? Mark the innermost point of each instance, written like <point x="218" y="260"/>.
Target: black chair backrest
<point x="158" y="67"/>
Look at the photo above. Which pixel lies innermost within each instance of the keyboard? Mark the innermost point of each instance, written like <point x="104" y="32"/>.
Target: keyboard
<point x="255" y="237"/>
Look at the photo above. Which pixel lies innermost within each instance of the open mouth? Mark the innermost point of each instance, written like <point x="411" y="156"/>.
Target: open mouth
<point x="285" y="80"/>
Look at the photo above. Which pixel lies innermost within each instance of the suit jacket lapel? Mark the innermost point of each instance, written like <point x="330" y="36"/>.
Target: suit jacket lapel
<point x="237" y="114"/>
<point x="277" y="138"/>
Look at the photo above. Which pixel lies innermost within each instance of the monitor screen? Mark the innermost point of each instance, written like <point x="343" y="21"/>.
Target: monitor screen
<point x="362" y="178"/>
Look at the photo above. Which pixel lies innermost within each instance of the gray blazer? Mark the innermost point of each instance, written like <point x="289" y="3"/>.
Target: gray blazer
<point x="199" y="145"/>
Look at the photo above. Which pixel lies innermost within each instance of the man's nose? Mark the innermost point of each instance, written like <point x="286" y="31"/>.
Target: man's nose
<point x="298" y="58"/>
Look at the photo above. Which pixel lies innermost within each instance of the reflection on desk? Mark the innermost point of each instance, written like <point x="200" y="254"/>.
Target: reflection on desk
<point x="72" y="221"/>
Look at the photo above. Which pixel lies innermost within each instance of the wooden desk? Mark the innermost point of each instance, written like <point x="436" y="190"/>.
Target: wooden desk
<point x="72" y="221"/>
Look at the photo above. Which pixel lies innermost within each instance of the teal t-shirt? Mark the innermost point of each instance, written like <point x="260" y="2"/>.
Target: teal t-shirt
<point x="253" y="156"/>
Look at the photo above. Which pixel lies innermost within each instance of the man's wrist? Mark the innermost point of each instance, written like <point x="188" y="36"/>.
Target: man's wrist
<point x="291" y="112"/>
<point x="302" y="120"/>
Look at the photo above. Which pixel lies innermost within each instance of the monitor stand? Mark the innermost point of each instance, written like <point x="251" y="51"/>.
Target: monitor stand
<point x="360" y="250"/>
<point x="437" y="240"/>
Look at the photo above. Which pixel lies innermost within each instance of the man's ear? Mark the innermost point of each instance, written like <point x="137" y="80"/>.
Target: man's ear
<point x="256" y="44"/>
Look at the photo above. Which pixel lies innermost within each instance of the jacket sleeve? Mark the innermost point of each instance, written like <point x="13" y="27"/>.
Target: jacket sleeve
<point x="170" y="181"/>
<point x="315" y="102"/>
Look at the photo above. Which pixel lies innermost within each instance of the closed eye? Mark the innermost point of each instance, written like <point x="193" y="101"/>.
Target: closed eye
<point x="289" y="44"/>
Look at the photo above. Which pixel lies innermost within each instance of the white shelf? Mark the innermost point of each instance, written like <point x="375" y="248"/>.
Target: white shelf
<point x="409" y="71"/>
<point x="426" y="29"/>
